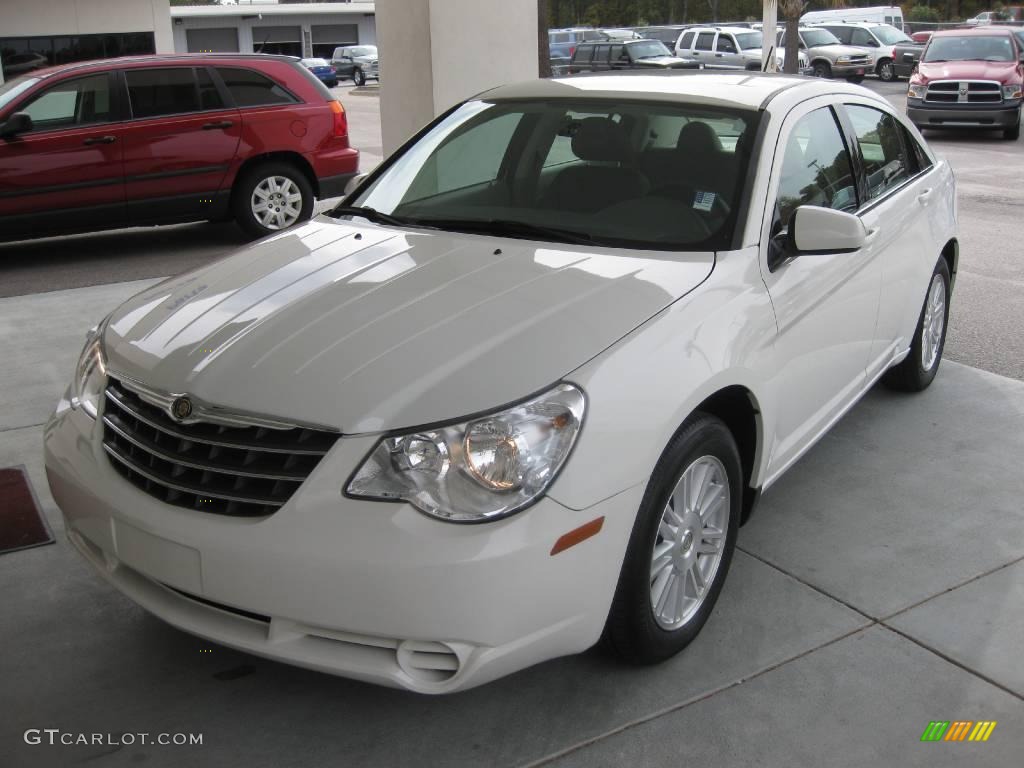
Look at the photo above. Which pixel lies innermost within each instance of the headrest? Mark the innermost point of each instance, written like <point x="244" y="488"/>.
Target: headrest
<point x="598" y="138"/>
<point x="698" y="138"/>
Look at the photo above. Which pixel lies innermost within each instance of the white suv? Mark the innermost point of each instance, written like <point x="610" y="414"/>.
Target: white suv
<point x="878" y="40"/>
<point x="727" y="48"/>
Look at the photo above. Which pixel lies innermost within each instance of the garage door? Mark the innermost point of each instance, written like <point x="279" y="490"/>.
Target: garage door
<point x="327" y="37"/>
<point x="281" y="40"/>
<point x="223" y="40"/>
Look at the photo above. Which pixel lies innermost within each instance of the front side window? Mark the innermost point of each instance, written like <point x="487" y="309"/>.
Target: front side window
<point x="888" y="35"/>
<point x="749" y="40"/>
<point x="163" y="91"/>
<point x="601" y="54"/>
<point x="616" y="54"/>
<point x="862" y="38"/>
<point x="844" y="34"/>
<point x="83" y="101"/>
<point x="648" y="50"/>
<point x="704" y="41"/>
<point x="252" y="89"/>
<point x="576" y="170"/>
<point x="812" y="38"/>
<point x="881" y="145"/>
<point x="816" y="168"/>
<point x="725" y="44"/>
<point x="584" y="54"/>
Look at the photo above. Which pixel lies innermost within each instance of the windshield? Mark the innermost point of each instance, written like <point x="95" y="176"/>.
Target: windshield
<point x="364" y="50"/>
<point x="12" y="89"/>
<point x="648" y="50"/>
<point x="970" y="48"/>
<point x="315" y="62"/>
<point x="748" y="40"/>
<point x="815" y="37"/>
<point x="889" y="35"/>
<point x="615" y="173"/>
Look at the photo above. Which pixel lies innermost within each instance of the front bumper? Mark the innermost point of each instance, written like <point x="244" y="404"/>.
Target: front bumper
<point x="850" y="70"/>
<point x="925" y="115"/>
<point x="369" y="590"/>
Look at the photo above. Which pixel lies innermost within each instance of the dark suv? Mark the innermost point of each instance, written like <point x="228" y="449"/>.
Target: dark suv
<point x="164" y="139"/>
<point x="608" y="56"/>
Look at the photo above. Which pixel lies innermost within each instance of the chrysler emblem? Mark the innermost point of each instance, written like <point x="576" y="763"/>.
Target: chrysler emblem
<point x="181" y="408"/>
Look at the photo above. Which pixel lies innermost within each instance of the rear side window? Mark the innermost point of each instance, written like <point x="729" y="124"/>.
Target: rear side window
<point x="584" y="54"/>
<point x="686" y="41"/>
<point x="252" y="89"/>
<point x="881" y="145"/>
<point x="82" y="101"/>
<point x="209" y="96"/>
<point x="165" y="91"/>
<point x="704" y="41"/>
<point x="601" y="53"/>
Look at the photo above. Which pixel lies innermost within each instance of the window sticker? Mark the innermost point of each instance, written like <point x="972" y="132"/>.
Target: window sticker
<point x="703" y="201"/>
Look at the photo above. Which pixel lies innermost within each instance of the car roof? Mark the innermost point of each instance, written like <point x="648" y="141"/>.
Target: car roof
<point x="100" y="64"/>
<point x="848" y="24"/>
<point x="987" y="31"/>
<point x="747" y="90"/>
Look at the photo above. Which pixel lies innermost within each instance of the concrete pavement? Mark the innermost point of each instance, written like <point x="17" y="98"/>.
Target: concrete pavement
<point x="878" y="588"/>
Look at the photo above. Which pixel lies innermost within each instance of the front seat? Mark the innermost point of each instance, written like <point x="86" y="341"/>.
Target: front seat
<point x="701" y="163"/>
<point x="608" y="177"/>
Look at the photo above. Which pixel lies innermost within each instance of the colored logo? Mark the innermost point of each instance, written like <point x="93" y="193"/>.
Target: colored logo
<point x="958" y="730"/>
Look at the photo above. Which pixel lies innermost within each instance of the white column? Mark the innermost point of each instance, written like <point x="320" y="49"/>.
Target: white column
<point x="436" y="53"/>
<point x="769" y="59"/>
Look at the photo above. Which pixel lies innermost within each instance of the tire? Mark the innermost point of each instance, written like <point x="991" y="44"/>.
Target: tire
<point x="1012" y="134"/>
<point x="821" y="69"/>
<point x="359" y="77"/>
<point x="886" y="71"/>
<point x="271" y="178"/>
<point x="635" y="630"/>
<point x="918" y="369"/>
<point x="856" y="79"/>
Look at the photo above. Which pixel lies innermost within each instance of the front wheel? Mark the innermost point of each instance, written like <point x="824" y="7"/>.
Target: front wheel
<point x="886" y="71"/>
<point x="1012" y="134"/>
<point x="918" y="369"/>
<point x="681" y="545"/>
<point x="856" y="79"/>
<point x="270" y="197"/>
<point x="359" y="77"/>
<point x="821" y="69"/>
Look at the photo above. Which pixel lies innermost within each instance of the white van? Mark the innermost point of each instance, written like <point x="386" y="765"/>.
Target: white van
<point x="881" y="14"/>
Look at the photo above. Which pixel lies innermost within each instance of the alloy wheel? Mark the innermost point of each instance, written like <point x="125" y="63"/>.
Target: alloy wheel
<point x="276" y="202"/>
<point x="934" y="322"/>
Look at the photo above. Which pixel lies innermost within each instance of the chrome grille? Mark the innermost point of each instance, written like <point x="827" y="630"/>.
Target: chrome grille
<point x="244" y="471"/>
<point x="964" y="92"/>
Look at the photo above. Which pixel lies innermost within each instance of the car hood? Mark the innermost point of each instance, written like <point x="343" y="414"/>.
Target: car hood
<point x="365" y="328"/>
<point x="365" y="59"/>
<point x="835" y="50"/>
<point x="662" y="61"/>
<point x="1000" y="71"/>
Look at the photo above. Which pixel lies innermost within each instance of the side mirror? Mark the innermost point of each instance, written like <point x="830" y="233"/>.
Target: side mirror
<point x="17" y="123"/>
<point x="813" y="229"/>
<point x="354" y="182"/>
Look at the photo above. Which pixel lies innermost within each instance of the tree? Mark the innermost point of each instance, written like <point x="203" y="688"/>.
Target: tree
<point x="543" y="49"/>
<point x="791" y="12"/>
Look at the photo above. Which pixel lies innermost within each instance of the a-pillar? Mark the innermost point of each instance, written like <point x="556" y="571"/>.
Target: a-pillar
<point x="436" y="53"/>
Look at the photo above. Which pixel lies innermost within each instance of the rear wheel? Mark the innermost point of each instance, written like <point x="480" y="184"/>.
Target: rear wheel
<point x="821" y="69"/>
<point x="270" y="197"/>
<point x="681" y="545"/>
<point x="918" y="369"/>
<point x="886" y="71"/>
<point x="359" y="77"/>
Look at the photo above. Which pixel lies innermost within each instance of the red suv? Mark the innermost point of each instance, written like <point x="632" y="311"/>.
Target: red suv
<point x="163" y="139"/>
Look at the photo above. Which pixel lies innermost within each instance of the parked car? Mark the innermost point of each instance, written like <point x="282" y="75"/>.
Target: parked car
<point x="669" y="34"/>
<point x="982" y="19"/>
<point x="518" y="392"/>
<point x="162" y="139"/>
<point x="877" y="40"/>
<point x="356" y="62"/>
<point x="828" y="57"/>
<point x="879" y="14"/>
<point x="905" y="58"/>
<point x="322" y="69"/>
<point x="560" y="56"/>
<point x="728" y="48"/>
<point x="626" y="54"/>
<point x="574" y="35"/>
<point x="969" y="78"/>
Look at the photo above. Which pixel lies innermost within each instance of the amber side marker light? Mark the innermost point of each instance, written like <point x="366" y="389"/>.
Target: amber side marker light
<point x="577" y="535"/>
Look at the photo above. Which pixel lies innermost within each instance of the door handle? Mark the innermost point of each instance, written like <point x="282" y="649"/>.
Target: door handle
<point x="718" y="55"/>
<point x="924" y="197"/>
<point x="100" y="140"/>
<point x="871" y="235"/>
<point x="221" y="124"/>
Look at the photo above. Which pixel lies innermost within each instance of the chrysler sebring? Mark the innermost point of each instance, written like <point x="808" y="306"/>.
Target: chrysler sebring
<point x="516" y="394"/>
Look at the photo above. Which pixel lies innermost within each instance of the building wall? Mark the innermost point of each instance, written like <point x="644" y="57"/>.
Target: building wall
<point x="366" y="25"/>
<point x="84" y="17"/>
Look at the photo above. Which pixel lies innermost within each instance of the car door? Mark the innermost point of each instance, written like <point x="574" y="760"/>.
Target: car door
<point x="179" y="144"/>
<point x="826" y="304"/>
<point x="343" y="63"/>
<point x="727" y="55"/>
<point x="898" y="204"/>
<point x="66" y="173"/>
<point x="703" y="48"/>
<point x="684" y="45"/>
<point x="600" y="62"/>
<point x="618" y="58"/>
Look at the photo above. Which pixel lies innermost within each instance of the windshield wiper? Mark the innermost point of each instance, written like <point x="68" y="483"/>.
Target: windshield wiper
<point x="511" y="228"/>
<point x="372" y="214"/>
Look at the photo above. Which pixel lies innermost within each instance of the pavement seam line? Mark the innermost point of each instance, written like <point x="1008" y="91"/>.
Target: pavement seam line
<point x="951" y="660"/>
<point x="26" y="426"/>
<point x="687" y="702"/>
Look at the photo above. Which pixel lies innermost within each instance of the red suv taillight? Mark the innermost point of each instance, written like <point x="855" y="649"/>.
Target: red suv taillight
<point x="340" y="128"/>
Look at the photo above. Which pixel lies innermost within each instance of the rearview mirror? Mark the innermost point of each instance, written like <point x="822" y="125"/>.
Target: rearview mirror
<point x="17" y="123"/>
<point x="354" y="182"/>
<point x="813" y="229"/>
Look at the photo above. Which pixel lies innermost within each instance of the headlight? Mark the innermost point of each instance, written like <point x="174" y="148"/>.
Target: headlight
<point x="1012" y="91"/>
<point x="916" y="91"/>
<point x="479" y="470"/>
<point x="843" y="60"/>
<point x="90" y="374"/>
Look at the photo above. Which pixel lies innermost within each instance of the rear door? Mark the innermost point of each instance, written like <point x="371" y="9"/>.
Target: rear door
<point x="703" y="48"/>
<point x="685" y="44"/>
<point x="179" y="144"/>
<point x="66" y="174"/>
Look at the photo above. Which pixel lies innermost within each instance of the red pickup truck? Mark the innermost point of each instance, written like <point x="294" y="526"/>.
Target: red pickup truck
<point x="969" y="78"/>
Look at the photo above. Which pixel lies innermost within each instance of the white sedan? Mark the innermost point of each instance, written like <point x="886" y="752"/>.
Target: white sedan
<point x="519" y="392"/>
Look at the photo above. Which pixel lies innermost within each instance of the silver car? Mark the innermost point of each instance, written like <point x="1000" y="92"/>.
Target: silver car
<point x="830" y="58"/>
